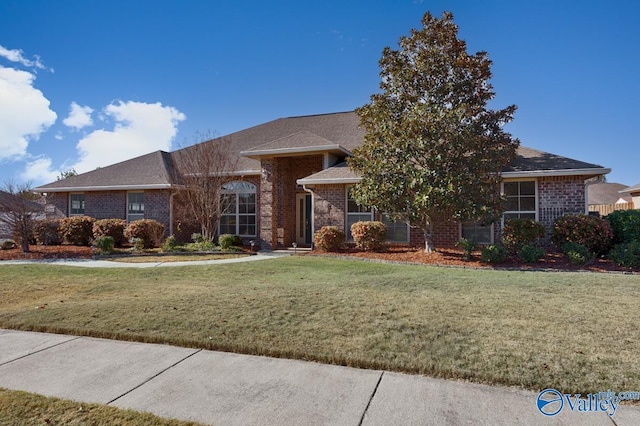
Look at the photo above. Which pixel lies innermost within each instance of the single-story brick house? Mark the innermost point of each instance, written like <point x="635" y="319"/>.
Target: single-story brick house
<point x="292" y="179"/>
<point x="634" y="193"/>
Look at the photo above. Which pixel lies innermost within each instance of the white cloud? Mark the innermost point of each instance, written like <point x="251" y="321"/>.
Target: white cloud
<point x="17" y="55"/>
<point x="79" y="116"/>
<point x="24" y="113"/>
<point x="139" y="128"/>
<point x="39" y="170"/>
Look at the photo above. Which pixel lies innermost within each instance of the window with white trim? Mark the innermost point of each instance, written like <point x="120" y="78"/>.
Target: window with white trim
<point x="355" y="213"/>
<point x="76" y="204"/>
<point x="397" y="231"/>
<point x="476" y="231"/>
<point x="521" y="199"/>
<point x="238" y="209"/>
<point x="135" y="206"/>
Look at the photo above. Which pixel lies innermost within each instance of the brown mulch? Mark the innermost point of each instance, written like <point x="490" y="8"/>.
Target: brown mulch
<point x="454" y="257"/>
<point x="441" y="257"/>
<point x="47" y="252"/>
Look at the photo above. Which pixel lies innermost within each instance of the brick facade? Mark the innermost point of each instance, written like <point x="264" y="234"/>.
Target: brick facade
<point x="278" y="189"/>
<point x="559" y="196"/>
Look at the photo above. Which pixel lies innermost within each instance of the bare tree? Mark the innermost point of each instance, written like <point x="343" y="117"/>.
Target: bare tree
<point x="201" y="170"/>
<point x="18" y="210"/>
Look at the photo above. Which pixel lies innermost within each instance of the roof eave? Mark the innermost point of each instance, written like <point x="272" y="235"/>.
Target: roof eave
<point x="328" y="181"/>
<point x="563" y="172"/>
<point x="293" y="152"/>
<point x="103" y="188"/>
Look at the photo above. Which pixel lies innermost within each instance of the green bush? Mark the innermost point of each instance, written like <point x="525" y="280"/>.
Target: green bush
<point x="149" y="230"/>
<point x="197" y="237"/>
<point x="8" y="245"/>
<point x="590" y="231"/>
<point x="138" y="244"/>
<point x="77" y="230"/>
<point x="104" y="244"/>
<point x="467" y="246"/>
<point x="329" y="238"/>
<point x="170" y="243"/>
<point x="530" y="253"/>
<point x="626" y="254"/>
<point x="577" y="254"/>
<point x="625" y="225"/>
<point x="110" y="228"/>
<point x="518" y="233"/>
<point x="47" y="232"/>
<point x="495" y="253"/>
<point x="226" y="241"/>
<point x="369" y="235"/>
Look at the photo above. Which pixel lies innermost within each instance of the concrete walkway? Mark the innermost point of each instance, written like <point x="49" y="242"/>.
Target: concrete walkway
<point x="91" y="263"/>
<point x="230" y="389"/>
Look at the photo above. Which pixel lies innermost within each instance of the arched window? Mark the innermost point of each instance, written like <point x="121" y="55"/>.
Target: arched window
<point x="238" y="209"/>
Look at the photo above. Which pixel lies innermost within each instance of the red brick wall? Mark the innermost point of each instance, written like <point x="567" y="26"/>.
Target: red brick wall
<point x="329" y="206"/>
<point x="559" y="196"/>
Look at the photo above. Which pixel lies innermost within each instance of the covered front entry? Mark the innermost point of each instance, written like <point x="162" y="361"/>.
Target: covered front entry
<point x="303" y="220"/>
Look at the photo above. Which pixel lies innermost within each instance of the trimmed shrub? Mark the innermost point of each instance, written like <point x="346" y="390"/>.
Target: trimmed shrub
<point x="467" y="246"/>
<point x="148" y="230"/>
<point x="77" y="230"/>
<point x="626" y="254"/>
<point x="518" y="233"/>
<point x="226" y="241"/>
<point x="577" y="254"/>
<point x="530" y="253"/>
<point x="104" y="244"/>
<point x="329" y="238"/>
<point x="113" y="228"/>
<point x="170" y="243"/>
<point x="495" y="253"/>
<point x="47" y="233"/>
<point x="590" y="231"/>
<point x="369" y="235"/>
<point x="625" y="225"/>
<point x="8" y="245"/>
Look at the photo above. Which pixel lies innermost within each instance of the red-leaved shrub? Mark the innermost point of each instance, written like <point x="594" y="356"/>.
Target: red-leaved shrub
<point x="369" y="235"/>
<point x="113" y="228"/>
<point x="590" y="231"/>
<point x="328" y="238"/>
<point x="148" y="230"/>
<point x="77" y="230"/>
<point x="47" y="233"/>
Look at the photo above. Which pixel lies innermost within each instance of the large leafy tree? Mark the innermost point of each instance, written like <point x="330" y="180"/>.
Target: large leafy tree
<point x="433" y="149"/>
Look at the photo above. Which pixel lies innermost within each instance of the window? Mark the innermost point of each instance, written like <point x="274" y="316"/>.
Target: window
<point x="521" y="200"/>
<point x="355" y="213"/>
<point x="477" y="231"/>
<point x="135" y="206"/>
<point x="76" y="204"/>
<point x="238" y="209"/>
<point x="397" y="232"/>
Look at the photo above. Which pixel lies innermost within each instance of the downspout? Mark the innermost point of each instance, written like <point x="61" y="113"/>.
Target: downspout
<point x="587" y="183"/>
<point x="313" y="213"/>
<point x="173" y="194"/>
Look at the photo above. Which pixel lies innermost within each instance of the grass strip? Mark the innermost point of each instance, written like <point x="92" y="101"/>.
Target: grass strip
<point x="21" y="408"/>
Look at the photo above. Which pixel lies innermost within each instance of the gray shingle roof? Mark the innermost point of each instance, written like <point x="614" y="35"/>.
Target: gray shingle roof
<point x="337" y="132"/>
<point x="148" y="171"/>
<point x="634" y="189"/>
<point x="605" y="193"/>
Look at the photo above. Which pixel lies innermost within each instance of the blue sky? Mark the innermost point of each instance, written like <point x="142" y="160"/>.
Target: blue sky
<point x="84" y="84"/>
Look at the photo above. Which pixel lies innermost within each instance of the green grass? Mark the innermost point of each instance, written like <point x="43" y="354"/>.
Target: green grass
<point x="22" y="408"/>
<point x="576" y="332"/>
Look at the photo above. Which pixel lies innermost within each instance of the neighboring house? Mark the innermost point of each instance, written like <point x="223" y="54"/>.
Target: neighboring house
<point x="604" y="198"/>
<point x="292" y="179"/>
<point x="634" y="193"/>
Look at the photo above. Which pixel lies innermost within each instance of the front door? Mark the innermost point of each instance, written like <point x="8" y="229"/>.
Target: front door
<point x="303" y="219"/>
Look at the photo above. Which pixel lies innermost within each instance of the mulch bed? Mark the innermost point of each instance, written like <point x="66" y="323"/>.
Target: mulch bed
<point x="454" y="257"/>
<point x="47" y="252"/>
<point x="441" y="257"/>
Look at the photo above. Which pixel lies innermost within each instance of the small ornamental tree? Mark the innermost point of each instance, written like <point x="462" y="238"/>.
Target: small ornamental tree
<point x="432" y="148"/>
<point x="18" y="211"/>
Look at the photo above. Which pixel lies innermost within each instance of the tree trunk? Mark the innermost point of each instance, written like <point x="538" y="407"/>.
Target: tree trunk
<point x="428" y="236"/>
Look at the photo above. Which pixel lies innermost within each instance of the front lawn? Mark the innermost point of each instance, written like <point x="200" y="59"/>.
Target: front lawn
<point x="576" y="332"/>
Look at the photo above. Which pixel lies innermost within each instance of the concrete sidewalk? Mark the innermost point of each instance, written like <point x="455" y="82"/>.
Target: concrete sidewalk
<point x="93" y="263"/>
<point x="230" y="389"/>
